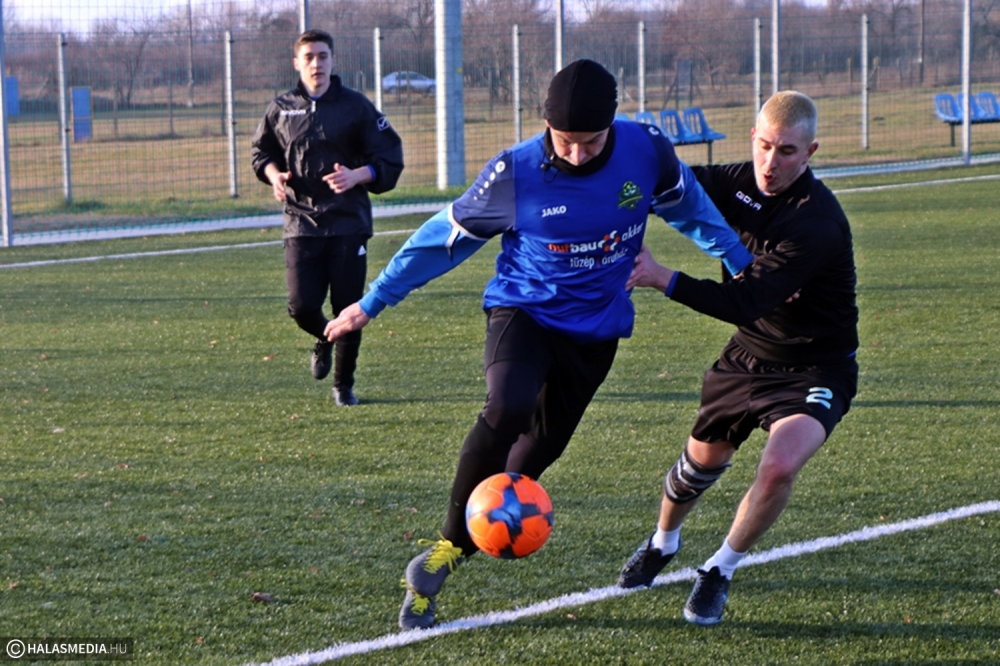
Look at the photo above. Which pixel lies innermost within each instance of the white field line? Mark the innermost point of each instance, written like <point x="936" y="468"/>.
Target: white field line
<point x="160" y="253"/>
<point x="599" y="594"/>
<point x="896" y="186"/>
<point x="137" y="255"/>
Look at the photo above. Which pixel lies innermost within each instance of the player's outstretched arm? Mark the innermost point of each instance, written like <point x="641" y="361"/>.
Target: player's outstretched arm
<point x="351" y="318"/>
<point x="647" y="272"/>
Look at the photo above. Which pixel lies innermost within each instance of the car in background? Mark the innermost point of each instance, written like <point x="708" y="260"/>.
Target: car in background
<point x="417" y="82"/>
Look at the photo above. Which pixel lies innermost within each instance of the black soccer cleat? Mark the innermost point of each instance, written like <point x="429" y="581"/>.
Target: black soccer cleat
<point x="424" y="577"/>
<point x="417" y="612"/>
<point x="322" y="359"/>
<point x="344" y="397"/>
<point x="708" y="598"/>
<point x="644" y="565"/>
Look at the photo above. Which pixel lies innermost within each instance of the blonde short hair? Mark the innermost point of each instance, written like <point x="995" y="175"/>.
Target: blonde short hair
<point x="789" y="108"/>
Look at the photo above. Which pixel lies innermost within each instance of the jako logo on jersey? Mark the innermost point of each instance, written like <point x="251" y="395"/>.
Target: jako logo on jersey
<point x="293" y="112"/>
<point x="554" y="210"/>
<point x="609" y="243"/>
<point x="745" y="198"/>
<point x="820" y="395"/>
<point x="629" y="196"/>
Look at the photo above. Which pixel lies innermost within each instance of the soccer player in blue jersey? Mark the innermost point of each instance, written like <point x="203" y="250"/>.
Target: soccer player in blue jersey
<point x="790" y="367"/>
<point x="570" y="206"/>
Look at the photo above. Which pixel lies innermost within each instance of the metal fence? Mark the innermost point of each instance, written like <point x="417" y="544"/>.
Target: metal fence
<point x="131" y="119"/>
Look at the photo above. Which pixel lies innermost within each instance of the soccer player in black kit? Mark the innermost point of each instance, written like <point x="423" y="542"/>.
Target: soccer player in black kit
<point x="790" y="368"/>
<point x="323" y="148"/>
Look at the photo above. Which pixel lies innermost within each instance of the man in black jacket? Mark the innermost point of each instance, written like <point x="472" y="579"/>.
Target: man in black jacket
<point x="322" y="147"/>
<point x="790" y="368"/>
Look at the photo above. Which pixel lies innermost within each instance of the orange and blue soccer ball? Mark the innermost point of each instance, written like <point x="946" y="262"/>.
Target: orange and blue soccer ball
<point x="509" y="515"/>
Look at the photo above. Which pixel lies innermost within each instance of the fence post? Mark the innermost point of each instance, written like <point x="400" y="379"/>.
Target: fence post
<point x="776" y="46"/>
<point x="64" y="120"/>
<point x="231" y="116"/>
<point x="303" y="15"/>
<point x="5" y="215"/>
<point x="966" y="82"/>
<point x="515" y="82"/>
<point x="864" y="81"/>
<point x="559" y="36"/>
<point x="758" y="92"/>
<point x="377" y="39"/>
<point x="641" y="38"/>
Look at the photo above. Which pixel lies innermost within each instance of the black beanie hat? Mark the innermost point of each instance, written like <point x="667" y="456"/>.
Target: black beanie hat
<point x="582" y="97"/>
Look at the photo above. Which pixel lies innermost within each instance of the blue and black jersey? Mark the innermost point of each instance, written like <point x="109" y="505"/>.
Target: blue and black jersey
<point x="568" y="241"/>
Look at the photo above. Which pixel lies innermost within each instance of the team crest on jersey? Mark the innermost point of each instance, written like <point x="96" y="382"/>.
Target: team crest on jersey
<point x="629" y="196"/>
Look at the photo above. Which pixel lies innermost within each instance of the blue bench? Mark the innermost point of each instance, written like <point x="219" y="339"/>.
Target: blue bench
<point x="694" y="118"/>
<point x="988" y="103"/>
<point x="982" y="109"/>
<point x="645" y="117"/>
<point x="682" y="129"/>
<point x="689" y="128"/>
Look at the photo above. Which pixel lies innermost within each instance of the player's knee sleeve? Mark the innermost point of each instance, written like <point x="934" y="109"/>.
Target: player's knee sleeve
<point x="687" y="480"/>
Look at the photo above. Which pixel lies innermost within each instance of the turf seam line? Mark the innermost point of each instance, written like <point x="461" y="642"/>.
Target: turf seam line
<point x="599" y="594"/>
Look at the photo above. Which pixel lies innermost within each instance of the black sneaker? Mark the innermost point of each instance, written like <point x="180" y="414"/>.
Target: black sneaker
<point x="344" y="397"/>
<point x="644" y="565"/>
<point x="708" y="598"/>
<point x="322" y="359"/>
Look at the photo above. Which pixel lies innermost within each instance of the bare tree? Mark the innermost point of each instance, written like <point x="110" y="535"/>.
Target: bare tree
<point x="706" y="29"/>
<point x="120" y="48"/>
<point x="487" y="26"/>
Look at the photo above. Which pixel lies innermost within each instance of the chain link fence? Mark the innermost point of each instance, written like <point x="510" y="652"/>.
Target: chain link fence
<point x="149" y="138"/>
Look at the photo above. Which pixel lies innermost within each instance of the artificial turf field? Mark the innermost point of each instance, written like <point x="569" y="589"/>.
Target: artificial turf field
<point x="165" y="455"/>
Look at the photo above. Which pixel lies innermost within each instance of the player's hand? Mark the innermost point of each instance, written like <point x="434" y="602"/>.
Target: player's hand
<point x="648" y="273"/>
<point x="351" y="318"/>
<point x="340" y="179"/>
<point x="278" y="182"/>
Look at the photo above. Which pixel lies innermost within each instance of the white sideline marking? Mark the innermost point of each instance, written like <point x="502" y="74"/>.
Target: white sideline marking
<point x="599" y="594"/>
<point x="160" y="253"/>
<point x="896" y="186"/>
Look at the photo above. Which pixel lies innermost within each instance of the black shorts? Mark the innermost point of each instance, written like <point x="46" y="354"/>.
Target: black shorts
<point x="742" y="392"/>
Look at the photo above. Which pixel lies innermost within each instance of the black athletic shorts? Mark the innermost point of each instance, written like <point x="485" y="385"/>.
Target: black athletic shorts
<point x="742" y="392"/>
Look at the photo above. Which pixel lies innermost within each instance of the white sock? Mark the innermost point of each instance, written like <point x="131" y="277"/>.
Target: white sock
<point x="667" y="541"/>
<point x="726" y="559"/>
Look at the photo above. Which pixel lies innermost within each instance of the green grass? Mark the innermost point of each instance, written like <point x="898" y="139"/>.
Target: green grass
<point x="164" y="454"/>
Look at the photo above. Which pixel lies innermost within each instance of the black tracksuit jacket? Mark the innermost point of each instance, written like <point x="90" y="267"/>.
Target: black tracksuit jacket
<point x="307" y="138"/>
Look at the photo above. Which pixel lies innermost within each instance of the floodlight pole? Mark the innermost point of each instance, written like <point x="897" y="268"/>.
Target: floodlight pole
<point x="449" y="102"/>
